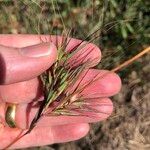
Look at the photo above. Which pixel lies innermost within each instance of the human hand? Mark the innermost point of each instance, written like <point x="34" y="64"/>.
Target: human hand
<point x="22" y="59"/>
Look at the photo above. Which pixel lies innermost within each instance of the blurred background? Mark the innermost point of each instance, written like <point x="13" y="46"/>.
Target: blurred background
<point x="123" y="30"/>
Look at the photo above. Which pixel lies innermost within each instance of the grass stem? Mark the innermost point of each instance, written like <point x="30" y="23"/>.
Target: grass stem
<point x="126" y="63"/>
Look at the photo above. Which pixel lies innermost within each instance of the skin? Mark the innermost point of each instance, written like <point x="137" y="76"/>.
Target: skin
<point x="22" y="59"/>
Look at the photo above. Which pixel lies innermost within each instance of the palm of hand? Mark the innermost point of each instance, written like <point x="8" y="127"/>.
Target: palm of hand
<point x="20" y="73"/>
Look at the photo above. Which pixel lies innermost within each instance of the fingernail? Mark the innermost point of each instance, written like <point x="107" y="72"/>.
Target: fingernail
<point x="39" y="50"/>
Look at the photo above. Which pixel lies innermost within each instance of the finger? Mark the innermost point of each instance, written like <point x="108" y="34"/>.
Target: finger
<point x="43" y="136"/>
<point x="95" y="83"/>
<point x="99" y="109"/>
<point x="25" y="92"/>
<point x="87" y="54"/>
<point x="90" y="50"/>
<point x="20" y="64"/>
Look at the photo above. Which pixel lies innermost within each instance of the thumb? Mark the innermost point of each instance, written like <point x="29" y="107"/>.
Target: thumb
<point x="20" y="64"/>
